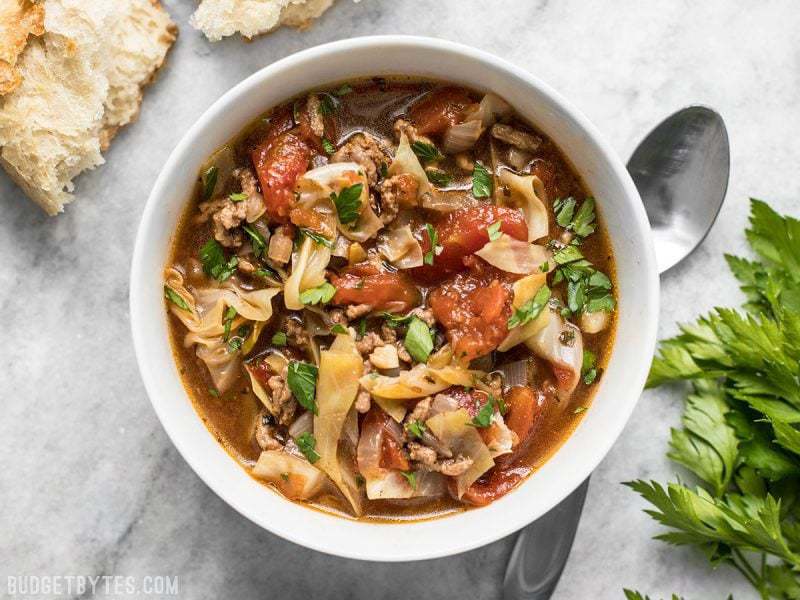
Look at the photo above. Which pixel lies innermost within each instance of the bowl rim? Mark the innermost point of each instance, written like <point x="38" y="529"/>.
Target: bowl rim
<point x="139" y="315"/>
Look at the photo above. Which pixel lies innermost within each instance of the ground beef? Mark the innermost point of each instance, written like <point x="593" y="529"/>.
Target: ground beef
<point x="265" y="433"/>
<point x="363" y="401"/>
<point x="402" y="353"/>
<point x="284" y="404"/>
<point x="365" y="150"/>
<point x="402" y="126"/>
<point x="368" y="343"/>
<point x="226" y="216"/>
<point x="453" y="467"/>
<point x="398" y="191"/>
<point x="296" y="334"/>
<point x="421" y="410"/>
<point x="388" y="334"/>
<point x="422" y="454"/>
<point x="518" y="139"/>
<point x="354" y="311"/>
<point x="337" y="316"/>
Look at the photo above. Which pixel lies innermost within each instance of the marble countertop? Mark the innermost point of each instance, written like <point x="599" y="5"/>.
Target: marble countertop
<point x="91" y="485"/>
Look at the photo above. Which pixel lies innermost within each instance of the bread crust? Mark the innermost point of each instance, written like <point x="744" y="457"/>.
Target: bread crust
<point x="18" y="20"/>
<point x="80" y="81"/>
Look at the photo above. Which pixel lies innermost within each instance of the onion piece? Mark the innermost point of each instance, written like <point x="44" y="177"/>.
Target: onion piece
<point x="401" y="248"/>
<point x="295" y="477"/>
<point x="560" y="343"/>
<point x="515" y="256"/>
<point x="302" y="424"/>
<point x="462" y="137"/>
<point x="514" y="373"/>
<point x="527" y="194"/>
<point x="595" y="322"/>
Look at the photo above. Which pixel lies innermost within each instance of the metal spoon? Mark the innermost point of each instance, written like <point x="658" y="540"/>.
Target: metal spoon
<point x="681" y="171"/>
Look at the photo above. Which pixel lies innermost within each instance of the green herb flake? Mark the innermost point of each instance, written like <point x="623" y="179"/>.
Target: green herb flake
<point x="214" y="392"/>
<point x="416" y="428"/>
<point x="328" y="104"/>
<point x="328" y="146"/>
<point x="531" y="309"/>
<point x="384" y="169"/>
<point x="565" y="210"/>
<point x="583" y="223"/>
<point x="237" y="341"/>
<point x="315" y="237"/>
<point x="212" y="257"/>
<point x="483" y="418"/>
<point x="302" y="380"/>
<point x="279" y="339"/>
<point x="348" y="203"/>
<point x="267" y="273"/>
<point x="418" y="340"/>
<point x="362" y="327"/>
<point x="395" y="321"/>
<point x="209" y="181"/>
<point x="321" y="294"/>
<point x="227" y="321"/>
<point x="176" y="299"/>
<point x="285" y="476"/>
<point x="580" y="409"/>
<point x="237" y="197"/>
<point x="256" y="240"/>
<point x="567" y="254"/>
<point x="307" y="444"/>
<point x="544" y="267"/>
<point x="435" y="248"/>
<point x="411" y="477"/>
<point x="482" y="183"/>
<point x="427" y="153"/>
<point x="494" y="231"/>
<point x="438" y="177"/>
<point x="338" y="328"/>
<point x="344" y="90"/>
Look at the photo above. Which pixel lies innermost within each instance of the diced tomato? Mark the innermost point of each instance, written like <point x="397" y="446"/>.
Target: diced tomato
<point x="494" y="484"/>
<point x="463" y="232"/>
<point x="392" y="454"/>
<point x="261" y="372"/>
<point x="474" y="309"/>
<point x="524" y="406"/>
<point x="279" y="162"/>
<point x="439" y="110"/>
<point x="365" y="283"/>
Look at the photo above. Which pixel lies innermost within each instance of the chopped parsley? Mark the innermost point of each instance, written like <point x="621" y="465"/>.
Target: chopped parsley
<point x="435" y="248"/>
<point x="176" y="299"/>
<point x="338" y="328"/>
<point x="348" y="203"/>
<point x="494" y="231"/>
<point x="418" y="340"/>
<point x="328" y="146"/>
<point x="321" y="294"/>
<point x="238" y="197"/>
<point x="426" y="153"/>
<point x="214" y="392"/>
<point x="362" y="327"/>
<point x="317" y="238"/>
<point x="344" y="90"/>
<point x="567" y="254"/>
<point x="411" y="477"/>
<point x="395" y="321"/>
<point x="581" y="222"/>
<point x="209" y="181"/>
<point x="307" y="444"/>
<point x="483" y="418"/>
<point x="266" y="272"/>
<point x="530" y="309"/>
<point x="544" y="267"/>
<point x="236" y="341"/>
<point x="213" y="260"/>
<point x="482" y="184"/>
<point x="327" y="104"/>
<point x="588" y="369"/>
<point x="578" y="410"/>
<point x="279" y="339"/>
<point x="256" y="240"/>
<point x="302" y="380"/>
<point x="227" y="321"/>
<point x="416" y="428"/>
<point x="438" y="177"/>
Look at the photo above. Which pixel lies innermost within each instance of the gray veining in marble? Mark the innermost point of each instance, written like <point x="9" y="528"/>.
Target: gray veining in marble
<point x="90" y="484"/>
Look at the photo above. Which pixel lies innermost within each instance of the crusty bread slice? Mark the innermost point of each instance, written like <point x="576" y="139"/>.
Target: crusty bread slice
<point x="18" y="19"/>
<point x="80" y="81"/>
<point x="221" y="18"/>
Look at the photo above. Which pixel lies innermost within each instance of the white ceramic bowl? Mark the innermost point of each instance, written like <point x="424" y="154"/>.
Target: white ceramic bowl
<point x="619" y="388"/>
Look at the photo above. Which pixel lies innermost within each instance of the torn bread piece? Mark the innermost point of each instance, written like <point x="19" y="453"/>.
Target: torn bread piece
<point x="80" y="81"/>
<point x="18" y="20"/>
<point x="220" y="18"/>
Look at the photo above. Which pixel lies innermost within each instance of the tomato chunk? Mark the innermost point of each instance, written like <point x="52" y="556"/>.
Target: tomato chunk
<point x="278" y="163"/>
<point x="524" y="406"/>
<point x="463" y="232"/>
<point x="439" y="110"/>
<point x="392" y="455"/>
<point x="494" y="484"/>
<point x="474" y="309"/>
<point x="365" y="283"/>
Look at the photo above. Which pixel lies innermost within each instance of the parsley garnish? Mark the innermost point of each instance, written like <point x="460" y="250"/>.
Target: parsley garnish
<point x="362" y="327"/>
<point x="530" y="309"/>
<point x="567" y="254"/>
<point x="238" y="197"/>
<point x="581" y="222"/>
<point x="321" y="294"/>
<point x="438" y="177"/>
<point x="214" y="392"/>
<point x="418" y="340"/>
<point x="176" y="299"/>
<point x="344" y="90"/>
<point x="327" y="104"/>
<point x="227" y="321"/>
<point x="482" y="183"/>
<point x="213" y="260"/>
<point x="348" y="203"/>
<point x="483" y="418"/>
<point x="588" y="370"/>
<point x="237" y="341"/>
<point x="256" y="240"/>
<point x="411" y="477"/>
<point x="279" y="339"/>
<point x="302" y="380"/>
<point x="435" y="249"/>
<point x="395" y="321"/>
<point x="307" y="444"/>
<point x="416" y="428"/>
<point x="494" y="231"/>
<point x="384" y="170"/>
<point x="338" y="328"/>
<point x="579" y="409"/>
<point x="328" y="146"/>
<point x="209" y="181"/>
<point x="739" y="434"/>
<point x="318" y="239"/>
<point x="266" y="272"/>
<point x="426" y="152"/>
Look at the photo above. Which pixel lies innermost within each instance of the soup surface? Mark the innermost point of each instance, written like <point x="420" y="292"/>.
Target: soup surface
<point x="391" y="299"/>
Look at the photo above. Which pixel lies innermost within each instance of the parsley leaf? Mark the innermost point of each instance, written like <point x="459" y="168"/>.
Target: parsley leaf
<point x="176" y="299"/>
<point x="426" y="152"/>
<point x="338" y="328"/>
<point x="582" y="222"/>
<point x="328" y="146"/>
<point x="344" y="90"/>
<point x="416" y="428"/>
<point x="438" y="177"/>
<point x="494" y="231"/>
<point x="328" y="104"/>
<point x="213" y="260"/>
<point x="418" y="340"/>
<point x="483" y="418"/>
<point x="236" y="342"/>
<point x="435" y="248"/>
<point x="482" y="183"/>
<point x="227" y="321"/>
<point x="348" y="203"/>
<point x="256" y="240"/>
<point x="307" y="444"/>
<point x="238" y="197"/>
<point x="321" y="294"/>
<point x="302" y="380"/>
<point x="530" y="309"/>
<point x="279" y="339"/>
<point x="317" y="238"/>
<point x="209" y="182"/>
<point x="394" y="321"/>
<point x="588" y="369"/>
<point x="411" y="477"/>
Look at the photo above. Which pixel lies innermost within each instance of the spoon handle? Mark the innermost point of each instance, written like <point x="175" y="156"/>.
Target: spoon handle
<point x="535" y="568"/>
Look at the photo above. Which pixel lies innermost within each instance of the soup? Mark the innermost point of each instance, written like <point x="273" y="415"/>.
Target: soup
<point x="390" y="299"/>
